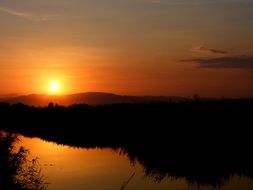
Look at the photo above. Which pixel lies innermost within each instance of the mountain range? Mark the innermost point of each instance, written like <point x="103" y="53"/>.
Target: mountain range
<point x="90" y="98"/>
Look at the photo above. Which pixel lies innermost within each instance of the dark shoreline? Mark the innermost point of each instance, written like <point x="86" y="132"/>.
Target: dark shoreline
<point x="204" y="142"/>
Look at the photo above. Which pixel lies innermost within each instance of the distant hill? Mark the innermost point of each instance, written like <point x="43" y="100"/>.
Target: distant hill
<point x="90" y="98"/>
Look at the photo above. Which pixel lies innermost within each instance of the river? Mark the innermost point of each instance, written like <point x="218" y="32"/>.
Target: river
<point x="66" y="167"/>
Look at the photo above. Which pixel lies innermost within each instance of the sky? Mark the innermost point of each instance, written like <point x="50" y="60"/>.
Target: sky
<point x="131" y="47"/>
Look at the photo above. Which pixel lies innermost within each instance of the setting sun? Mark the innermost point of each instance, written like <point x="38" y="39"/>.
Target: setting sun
<point x="54" y="87"/>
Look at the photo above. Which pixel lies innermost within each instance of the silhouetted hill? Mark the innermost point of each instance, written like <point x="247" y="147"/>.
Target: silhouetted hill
<point x="90" y="98"/>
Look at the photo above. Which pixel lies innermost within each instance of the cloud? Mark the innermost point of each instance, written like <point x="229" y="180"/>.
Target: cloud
<point x="29" y="16"/>
<point x="204" y="50"/>
<point x="171" y="2"/>
<point x="233" y="62"/>
<point x="164" y="2"/>
<point x="195" y="2"/>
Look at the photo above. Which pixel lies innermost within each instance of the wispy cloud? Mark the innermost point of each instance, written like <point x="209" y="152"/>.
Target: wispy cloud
<point x="171" y="2"/>
<point x="164" y="2"/>
<point x="233" y="62"/>
<point x="195" y="2"/>
<point x="25" y="15"/>
<point x="204" y="50"/>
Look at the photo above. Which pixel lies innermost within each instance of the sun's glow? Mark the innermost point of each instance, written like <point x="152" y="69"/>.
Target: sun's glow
<point x="54" y="87"/>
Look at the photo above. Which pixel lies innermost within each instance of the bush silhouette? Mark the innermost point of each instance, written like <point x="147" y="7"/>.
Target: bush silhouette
<point x="18" y="173"/>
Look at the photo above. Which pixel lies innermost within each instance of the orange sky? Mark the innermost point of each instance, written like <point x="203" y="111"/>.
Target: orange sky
<point x="142" y="47"/>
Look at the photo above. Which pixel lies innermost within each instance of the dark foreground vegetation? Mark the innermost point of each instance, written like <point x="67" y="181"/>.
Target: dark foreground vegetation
<point x="17" y="171"/>
<point x="204" y="142"/>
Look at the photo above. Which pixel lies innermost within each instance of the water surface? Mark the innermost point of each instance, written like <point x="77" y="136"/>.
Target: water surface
<point x="68" y="167"/>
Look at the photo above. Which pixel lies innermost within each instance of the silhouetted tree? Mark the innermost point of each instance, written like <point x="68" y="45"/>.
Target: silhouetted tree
<point x="50" y="105"/>
<point x="196" y="98"/>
